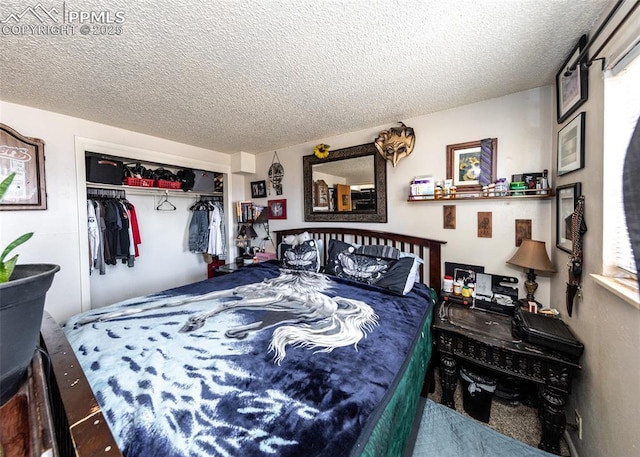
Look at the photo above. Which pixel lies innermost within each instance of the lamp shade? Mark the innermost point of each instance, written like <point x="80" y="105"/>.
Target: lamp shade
<point x="263" y="217"/>
<point x="250" y="232"/>
<point x="532" y="254"/>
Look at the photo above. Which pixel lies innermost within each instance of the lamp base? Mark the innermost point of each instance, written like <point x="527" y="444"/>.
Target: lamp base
<point x="531" y="285"/>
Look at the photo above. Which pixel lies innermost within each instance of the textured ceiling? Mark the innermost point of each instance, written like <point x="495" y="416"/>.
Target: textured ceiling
<point x="259" y="75"/>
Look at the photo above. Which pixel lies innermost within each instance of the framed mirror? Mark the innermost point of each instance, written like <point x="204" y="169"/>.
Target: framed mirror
<point x="348" y="186"/>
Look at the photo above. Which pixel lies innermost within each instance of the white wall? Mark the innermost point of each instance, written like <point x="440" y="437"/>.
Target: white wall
<point x="58" y="235"/>
<point x="522" y="123"/>
<point x="607" y="389"/>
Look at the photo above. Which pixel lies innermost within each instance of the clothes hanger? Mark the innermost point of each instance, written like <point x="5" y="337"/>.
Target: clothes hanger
<point x="165" y="201"/>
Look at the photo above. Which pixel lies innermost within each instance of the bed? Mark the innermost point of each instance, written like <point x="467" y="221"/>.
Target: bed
<point x="269" y="360"/>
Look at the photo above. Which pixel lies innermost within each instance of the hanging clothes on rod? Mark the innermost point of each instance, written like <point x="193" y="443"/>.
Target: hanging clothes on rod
<point x="113" y="228"/>
<point x="207" y="230"/>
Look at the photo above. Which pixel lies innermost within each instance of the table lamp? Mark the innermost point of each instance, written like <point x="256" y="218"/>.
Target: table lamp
<point x="532" y="254"/>
<point x="263" y="218"/>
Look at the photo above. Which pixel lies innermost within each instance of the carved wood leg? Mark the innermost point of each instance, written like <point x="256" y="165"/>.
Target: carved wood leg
<point x="448" y="379"/>
<point x="552" y="419"/>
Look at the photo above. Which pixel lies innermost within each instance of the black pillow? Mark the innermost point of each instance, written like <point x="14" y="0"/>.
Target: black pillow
<point x="398" y="278"/>
<point x="335" y="248"/>
<point x="304" y="256"/>
<point x="394" y="273"/>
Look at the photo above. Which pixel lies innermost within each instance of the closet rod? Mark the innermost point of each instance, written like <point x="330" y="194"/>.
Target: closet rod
<point x="98" y="192"/>
<point x="606" y="21"/>
<point x="138" y="190"/>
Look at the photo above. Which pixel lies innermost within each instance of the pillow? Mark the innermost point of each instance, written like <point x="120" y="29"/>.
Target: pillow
<point x="335" y="248"/>
<point x="295" y="240"/>
<point x="399" y="278"/>
<point x="304" y="256"/>
<point x="388" y="267"/>
<point x="291" y="241"/>
<point x="417" y="261"/>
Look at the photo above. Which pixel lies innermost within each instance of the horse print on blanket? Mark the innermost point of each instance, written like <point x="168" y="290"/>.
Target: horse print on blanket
<point x="261" y="362"/>
<point x="313" y="320"/>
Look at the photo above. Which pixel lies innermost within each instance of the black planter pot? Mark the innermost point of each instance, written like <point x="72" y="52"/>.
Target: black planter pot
<point x="21" y="308"/>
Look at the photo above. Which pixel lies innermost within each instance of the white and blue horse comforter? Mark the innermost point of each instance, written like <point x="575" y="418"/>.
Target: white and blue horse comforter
<point x="261" y="362"/>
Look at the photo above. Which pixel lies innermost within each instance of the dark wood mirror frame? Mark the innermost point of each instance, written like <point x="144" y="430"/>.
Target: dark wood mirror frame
<point x="380" y="180"/>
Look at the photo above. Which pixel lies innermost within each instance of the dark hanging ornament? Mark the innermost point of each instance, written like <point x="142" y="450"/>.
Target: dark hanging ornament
<point x="276" y="173"/>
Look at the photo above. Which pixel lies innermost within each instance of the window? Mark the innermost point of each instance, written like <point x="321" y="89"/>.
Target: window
<point x="621" y="112"/>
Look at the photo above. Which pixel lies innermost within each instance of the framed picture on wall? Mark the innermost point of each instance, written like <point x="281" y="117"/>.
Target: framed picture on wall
<point x="258" y="189"/>
<point x="277" y="209"/>
<point x="472" y="164"/>
<point x="571" y="146"/>
<point x="572" y="84"/>
<point x="23" y="156"/>
<point x="566" y="201"/>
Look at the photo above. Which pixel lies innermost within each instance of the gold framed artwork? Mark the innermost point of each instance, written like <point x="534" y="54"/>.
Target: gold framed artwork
<point x="23" y="156"/>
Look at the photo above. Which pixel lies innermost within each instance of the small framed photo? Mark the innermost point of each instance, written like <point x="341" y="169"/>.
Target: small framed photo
<point x="258" y="189"/>
<point x="571" y="86"/>
<point x="277" y="209"/>
<point x="571" y="146"/>
<point x="566" y="201"/>
<point x="472" y="164"/>
<point x="464" y="276"/>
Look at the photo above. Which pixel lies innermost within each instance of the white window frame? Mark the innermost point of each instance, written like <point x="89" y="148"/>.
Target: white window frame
<point x="621" y="111"/>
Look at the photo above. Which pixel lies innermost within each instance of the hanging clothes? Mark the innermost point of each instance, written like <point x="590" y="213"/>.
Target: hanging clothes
<point x="94" y="236"/>
<point x="114" y="233"/>
<point x="199" y="231"/>
<point x="207" y="230"/>
<point x="215" y="245"/>
<point x="100" y="265"/>
<point x="135" y="228"/>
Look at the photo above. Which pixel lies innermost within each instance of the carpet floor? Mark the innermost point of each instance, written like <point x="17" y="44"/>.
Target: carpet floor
<point x="512" y="419"/>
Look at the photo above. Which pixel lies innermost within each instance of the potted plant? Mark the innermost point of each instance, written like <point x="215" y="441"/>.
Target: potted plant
<point x="22" y="294"/>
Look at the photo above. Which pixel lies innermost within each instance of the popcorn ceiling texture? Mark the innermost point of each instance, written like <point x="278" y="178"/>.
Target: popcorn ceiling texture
<point x="259" y="75"/>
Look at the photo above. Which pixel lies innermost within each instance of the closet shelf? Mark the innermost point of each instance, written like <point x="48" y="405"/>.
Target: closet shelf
<point x="139" y="190"/>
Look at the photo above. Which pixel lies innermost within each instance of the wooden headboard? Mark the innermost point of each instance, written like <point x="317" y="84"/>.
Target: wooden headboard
<point x="425" y="248"/>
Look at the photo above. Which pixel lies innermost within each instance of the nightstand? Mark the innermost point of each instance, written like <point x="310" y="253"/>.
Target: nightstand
<point x="227" y="268"/>
<point x="484" y="339"/>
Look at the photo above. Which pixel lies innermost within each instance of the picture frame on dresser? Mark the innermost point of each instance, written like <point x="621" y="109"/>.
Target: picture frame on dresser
<point x="566" y="201"/>
<point x="571" y="145"/>
<point x="572" y="84"/>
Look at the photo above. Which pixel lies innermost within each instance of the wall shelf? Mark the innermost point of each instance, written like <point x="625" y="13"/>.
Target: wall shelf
<point x="464" y="196"/>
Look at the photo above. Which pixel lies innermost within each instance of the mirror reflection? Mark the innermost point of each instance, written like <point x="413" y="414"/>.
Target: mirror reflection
<point x="349" y="185"/>
<point x="345" y="185"/>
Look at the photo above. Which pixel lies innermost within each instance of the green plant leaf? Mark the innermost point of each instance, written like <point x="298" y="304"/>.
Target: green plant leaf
<point x="6" y="182"/>
<point x="6" y="268"/>
<point x="14" y="244"/>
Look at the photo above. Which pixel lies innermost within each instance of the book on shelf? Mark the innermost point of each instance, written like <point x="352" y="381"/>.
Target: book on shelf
<point x="246" y="211"/>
